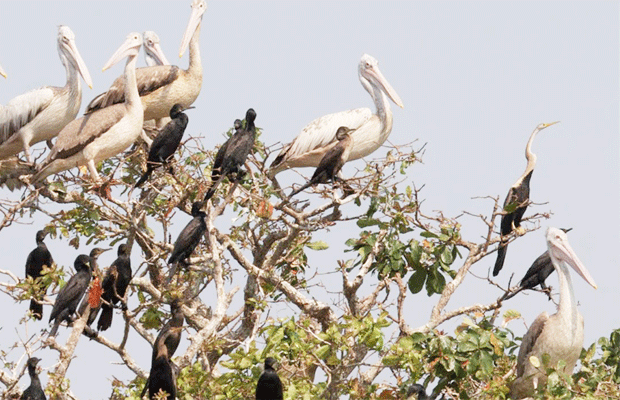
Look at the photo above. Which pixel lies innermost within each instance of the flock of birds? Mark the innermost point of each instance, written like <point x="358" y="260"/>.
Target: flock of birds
<point x="115" y="119"/>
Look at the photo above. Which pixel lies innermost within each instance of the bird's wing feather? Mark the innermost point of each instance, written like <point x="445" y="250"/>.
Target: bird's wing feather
<point x="74" y="289"/>
<point x="529" y="340"/>
<point x="23" y="109"/>
<point x="81" y="132"/>
<point x="543" y="260"/>
<point x="149" y="79"/>
<point x="322" y="131"/>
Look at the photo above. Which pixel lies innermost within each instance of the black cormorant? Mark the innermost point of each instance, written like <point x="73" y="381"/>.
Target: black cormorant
<point x="517" y="201"/>
<point x="189" y="238"/>
<point x="162" y="376"/>
<point x="233" y="153"/>
<point x="34" y="391"/>
<point x="93" y="293"/>
<point x="539" y="271"/>
<point x="332" y="161"/>
<point x="37" y="258"/>
<point x="114" y="286"/>
<point x="170" y="335"/>
<point x="166" y="142"/>
<point x="419" y="391"/>
<point x="269" y="386"/>
<point x="69" y="296"/>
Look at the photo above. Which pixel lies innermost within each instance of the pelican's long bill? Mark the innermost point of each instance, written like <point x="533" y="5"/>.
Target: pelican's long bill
<point x="67" y="41"/>
<point x="369" y="68"/>
<point x="131" y="46"/>
<point x="561" y="251"/>
<point x="198" y="9"/>
<point x="2" y="71"/>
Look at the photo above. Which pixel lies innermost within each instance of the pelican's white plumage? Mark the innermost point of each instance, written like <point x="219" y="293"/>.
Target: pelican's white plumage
<point x="153" y="54"/>
<point x="103" y="133"/>
<point x="40" y="114"/>
<point x="560" y="335"/>
<point x="371" y="130"/>
<point x="162" y="86"/>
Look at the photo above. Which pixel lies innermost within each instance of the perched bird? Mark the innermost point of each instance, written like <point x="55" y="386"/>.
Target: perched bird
<point x="153" y="54"/>
<point x="34" y="391"/>
<point x="40" y="114"/>
<point x="188" y="239"/>
<point x="93" y="293"/>
<point x="161" y="377"/>
<point x="560" y="336"/>
<point x="269" y="386"/>
<point x="37" y="259"/>
<point x="539" y="271"/>
<point x="419" y="391"/>
<point x="162" y="86"/>
<point x="233" y="153"/>
<point x="115" y="284"/>
<point x="517" y="201"/>
<point x="166" y="142"/>
<point x="332" y="161"/>
<point x="170" y="335"/>
<point x="371" y="130"/>
<point x="103" y="134"/>
<point x="69" y="296"/>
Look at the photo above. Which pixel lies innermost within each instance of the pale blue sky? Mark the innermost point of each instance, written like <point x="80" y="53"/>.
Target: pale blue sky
<point x="475" y="79"/>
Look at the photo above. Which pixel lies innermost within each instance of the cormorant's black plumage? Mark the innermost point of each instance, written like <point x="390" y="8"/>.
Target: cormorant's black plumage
<point x="114" y="286"/>
<point x="169" y="336"/>
<point x="189" y="238"/>
<point x="269" y="386"/>
<point x="34" y="391"/>
<point x="37" y="258"/>
<point x="539" y="271"/>
<point x="233" y="153"/>
<point x="332" y="162"/>
<point x="166" y="142"/>
<point x="419" y="391"/>
<point x="96" y="275"/>
<point x="162" y="376"/>
<point x="69" y="296"/>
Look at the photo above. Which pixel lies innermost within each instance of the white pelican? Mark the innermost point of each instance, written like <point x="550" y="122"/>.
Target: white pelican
<point x="163" y="86"/>
<point x="104" y="133"/>
<point x="559" y="335"/>
<point x="371" y="130"/>
<point x="153" y="54"/>
<point x="40" y="114"/>
<point x="518" y="197"/>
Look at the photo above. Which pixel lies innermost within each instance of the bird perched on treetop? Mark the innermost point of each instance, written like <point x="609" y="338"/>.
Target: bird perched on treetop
<point x="188" y="239"/>
<point x="34" y="391"/>
<point x="517" y="201"/>
<point x="233" y="153"/>
<point x="333" y="161"/>
<point x="37" y="259"/>
<point x="269" y="386"/>
<point x="166" y="142"/>
<point x="114" y="286"/>
<point x="69" y="296"/>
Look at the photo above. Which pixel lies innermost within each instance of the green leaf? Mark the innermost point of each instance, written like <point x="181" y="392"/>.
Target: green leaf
<point x="364" y="222"/>
<point x="318" y="245"/>
<point x="428" y="234"/>
<point x="535" y="361"/>
<point x="416" y="281"/>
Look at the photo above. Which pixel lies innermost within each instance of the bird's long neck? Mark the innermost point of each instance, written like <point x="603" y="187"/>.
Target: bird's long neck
<point x="132" y="97"/>
<point x="567" y="308"/>
<point x="529" y="155"/>
<point x="73" y="85"/>
<point x="195" y="63"/>
<point x="384" y="112"/>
